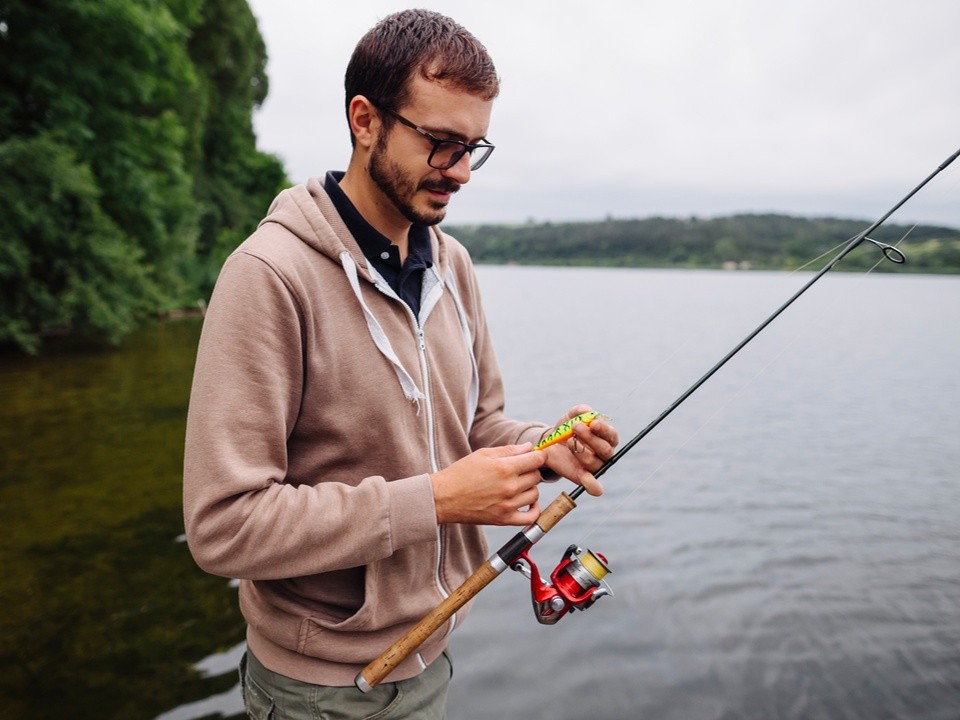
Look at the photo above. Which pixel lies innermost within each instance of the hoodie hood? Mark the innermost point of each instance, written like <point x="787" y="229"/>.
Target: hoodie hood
<point x="307" y="212"/>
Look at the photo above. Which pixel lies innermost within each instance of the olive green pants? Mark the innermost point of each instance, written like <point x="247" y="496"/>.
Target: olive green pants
<point x="269" y="696"/>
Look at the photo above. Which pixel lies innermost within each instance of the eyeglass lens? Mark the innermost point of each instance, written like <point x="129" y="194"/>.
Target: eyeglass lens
<point x="447" y="154"/>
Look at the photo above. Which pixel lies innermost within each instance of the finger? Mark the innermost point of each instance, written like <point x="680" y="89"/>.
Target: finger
<point x="527" y="463"/>
<point x="585" y="457"/>
<point x="574" y="411"/>
<point x="520" y="509"/>
<point x="590" y="484"/>
<point x="509" y="450"/>
<point x="594" y="442"/>
<point x="578" y="410"/>
<point x="528" y="485"/>
<point x="524" y="517"/>
<point x="526" y="499"/>
<point x="589" y="462"/>
<point x="607" y="431"/>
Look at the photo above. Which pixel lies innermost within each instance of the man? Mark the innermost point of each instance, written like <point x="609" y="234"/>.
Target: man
<point x="346" y="438"/>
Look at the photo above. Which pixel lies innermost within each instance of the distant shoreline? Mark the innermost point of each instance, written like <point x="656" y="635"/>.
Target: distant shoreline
<point x="736" y="242"/>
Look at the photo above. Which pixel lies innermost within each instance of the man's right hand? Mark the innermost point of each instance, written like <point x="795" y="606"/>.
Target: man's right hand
<point x="491" y="486"/>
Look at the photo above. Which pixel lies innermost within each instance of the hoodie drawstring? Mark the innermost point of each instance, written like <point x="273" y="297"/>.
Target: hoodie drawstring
<point x="407" y="383"/>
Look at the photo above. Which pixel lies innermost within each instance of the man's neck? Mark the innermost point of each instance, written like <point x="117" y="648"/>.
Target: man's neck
<point x="377" y="210"/>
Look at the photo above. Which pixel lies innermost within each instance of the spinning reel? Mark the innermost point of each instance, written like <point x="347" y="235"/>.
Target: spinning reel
<point x="575" y="584"/>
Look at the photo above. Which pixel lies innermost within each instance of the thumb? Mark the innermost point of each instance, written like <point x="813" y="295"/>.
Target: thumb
<point x="510" y="450"/>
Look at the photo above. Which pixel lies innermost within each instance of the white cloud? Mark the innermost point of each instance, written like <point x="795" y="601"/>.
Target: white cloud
<point x="672" y="107"/>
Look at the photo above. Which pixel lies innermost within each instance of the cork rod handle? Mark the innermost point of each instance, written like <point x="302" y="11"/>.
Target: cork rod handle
<point x="389" y="659"/>
<point x="377" y="670"/>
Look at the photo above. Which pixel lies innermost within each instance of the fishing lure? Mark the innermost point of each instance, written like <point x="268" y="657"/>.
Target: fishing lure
<point x="564" y="431"/>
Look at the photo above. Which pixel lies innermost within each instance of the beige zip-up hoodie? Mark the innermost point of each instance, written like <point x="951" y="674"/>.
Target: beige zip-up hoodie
<point x="320" y="406"/>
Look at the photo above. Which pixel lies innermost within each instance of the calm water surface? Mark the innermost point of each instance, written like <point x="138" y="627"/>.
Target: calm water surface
<point x="785" y="545"/>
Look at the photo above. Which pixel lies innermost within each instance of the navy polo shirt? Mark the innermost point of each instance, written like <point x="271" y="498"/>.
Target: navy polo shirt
<point x="406" y="279"/>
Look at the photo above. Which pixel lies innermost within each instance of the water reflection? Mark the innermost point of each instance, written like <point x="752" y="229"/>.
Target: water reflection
<point x="226" y="704"/>
<point x="104" y="610"/>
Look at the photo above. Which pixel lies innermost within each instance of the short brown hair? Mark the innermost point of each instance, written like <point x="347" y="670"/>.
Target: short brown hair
<point x="417" y="41"/>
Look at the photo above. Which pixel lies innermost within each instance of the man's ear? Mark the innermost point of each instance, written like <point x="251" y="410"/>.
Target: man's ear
<point x="364" y="121"/>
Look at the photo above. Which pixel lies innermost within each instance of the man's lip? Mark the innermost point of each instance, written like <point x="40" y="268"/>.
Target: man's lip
<point x="442" y="192"/>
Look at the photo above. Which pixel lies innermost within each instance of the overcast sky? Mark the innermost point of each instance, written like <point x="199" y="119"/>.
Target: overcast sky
<point x="663" y="107"/>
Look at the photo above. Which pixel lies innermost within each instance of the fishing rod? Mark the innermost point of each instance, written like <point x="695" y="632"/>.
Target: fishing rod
<point x="578" y="580"/>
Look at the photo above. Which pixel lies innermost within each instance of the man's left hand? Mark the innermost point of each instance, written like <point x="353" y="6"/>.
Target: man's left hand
<point x="589" y="448"/>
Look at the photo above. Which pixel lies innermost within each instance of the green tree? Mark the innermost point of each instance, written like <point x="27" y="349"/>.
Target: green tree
<point x="110" y="79"/>
<point x="765" y="241"/>
<point x="233" y="182"/>
<point x="68" y="265"/>
<point x="153" y="100"/>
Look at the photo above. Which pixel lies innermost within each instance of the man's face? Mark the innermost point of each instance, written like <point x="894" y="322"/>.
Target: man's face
<point x="398" y="161"/>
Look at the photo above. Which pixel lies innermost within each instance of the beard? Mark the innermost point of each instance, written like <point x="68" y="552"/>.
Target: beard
<point x="400" y="189"/>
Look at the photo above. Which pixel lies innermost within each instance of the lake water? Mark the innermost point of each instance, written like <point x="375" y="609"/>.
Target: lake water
<point x="785" y="545"/>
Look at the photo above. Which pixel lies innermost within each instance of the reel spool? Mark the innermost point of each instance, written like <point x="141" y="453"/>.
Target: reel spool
<point x="575" y="584"/>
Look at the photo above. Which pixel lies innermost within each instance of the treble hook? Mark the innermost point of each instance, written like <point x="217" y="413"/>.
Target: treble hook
<point x="891" y="252"/>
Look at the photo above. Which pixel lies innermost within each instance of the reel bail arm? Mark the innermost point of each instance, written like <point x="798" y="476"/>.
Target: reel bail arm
<point x="575" y="584"/>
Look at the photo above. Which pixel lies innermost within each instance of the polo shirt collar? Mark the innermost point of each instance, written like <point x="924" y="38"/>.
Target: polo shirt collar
<point x="375" y="246"/>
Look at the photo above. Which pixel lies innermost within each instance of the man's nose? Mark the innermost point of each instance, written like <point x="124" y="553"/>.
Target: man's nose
<point x="460" y="170"/>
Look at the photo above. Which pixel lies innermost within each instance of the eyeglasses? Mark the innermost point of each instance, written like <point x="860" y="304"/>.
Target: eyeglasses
<point x="447" y="153"/>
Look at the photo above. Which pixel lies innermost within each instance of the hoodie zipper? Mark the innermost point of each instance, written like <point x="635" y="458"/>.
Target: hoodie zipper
<point x="431" y="437"/>
<point x="432" y="445"/>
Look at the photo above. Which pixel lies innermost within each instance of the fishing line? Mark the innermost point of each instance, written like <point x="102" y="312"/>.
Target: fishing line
<point x="791" y="342"/>
<point x="891" y="253"/>
<point x="897" y="257"/>
<point x="686" y="343"/>
<point x="683" y="345"/>
<point x="896" y="246"/>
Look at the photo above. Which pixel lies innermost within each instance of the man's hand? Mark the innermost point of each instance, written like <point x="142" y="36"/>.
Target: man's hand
<point x="492" y="486"/>
<point x="590" y="447"/>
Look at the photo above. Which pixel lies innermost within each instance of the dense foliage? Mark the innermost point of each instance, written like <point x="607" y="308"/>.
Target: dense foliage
<point x="740" y="241"/>
<point x="128" y="162"/>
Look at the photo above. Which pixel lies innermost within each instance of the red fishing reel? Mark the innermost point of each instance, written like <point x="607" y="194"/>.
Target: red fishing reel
<point x="575" y="584"/>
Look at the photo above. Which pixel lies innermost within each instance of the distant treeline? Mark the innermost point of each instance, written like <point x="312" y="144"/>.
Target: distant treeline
<point x="767" y="242"/>
<point x="128" y="161"/>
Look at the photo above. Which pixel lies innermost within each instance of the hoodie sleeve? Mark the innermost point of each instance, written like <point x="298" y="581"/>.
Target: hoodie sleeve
<point x="242" y="519"/>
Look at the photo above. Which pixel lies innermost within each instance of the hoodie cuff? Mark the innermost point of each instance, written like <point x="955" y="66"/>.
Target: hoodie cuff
<point x="413" y="515"/>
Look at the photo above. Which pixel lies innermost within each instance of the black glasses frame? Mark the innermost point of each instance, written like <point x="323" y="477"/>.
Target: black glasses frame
<point x="464" y="148"/>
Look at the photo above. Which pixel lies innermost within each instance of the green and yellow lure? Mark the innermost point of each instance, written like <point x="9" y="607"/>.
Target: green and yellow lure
<point x="564" y="431"/>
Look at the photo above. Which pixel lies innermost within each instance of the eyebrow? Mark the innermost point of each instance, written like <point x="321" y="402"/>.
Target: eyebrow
<point x="453" y="135"/>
